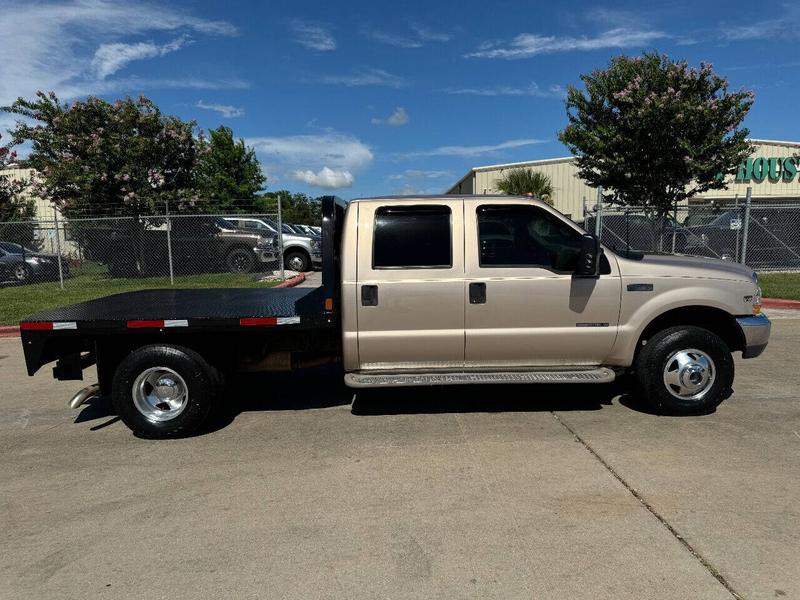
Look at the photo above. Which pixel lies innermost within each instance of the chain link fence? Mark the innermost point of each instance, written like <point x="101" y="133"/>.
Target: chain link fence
<point x="124" y="253"/>
<point x="765" y="236"/>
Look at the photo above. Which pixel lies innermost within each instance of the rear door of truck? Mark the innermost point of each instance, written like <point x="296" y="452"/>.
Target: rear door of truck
<point x="411" y="284"/>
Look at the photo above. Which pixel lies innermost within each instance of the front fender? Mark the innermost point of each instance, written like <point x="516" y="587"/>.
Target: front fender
<point x="640" y="308"/>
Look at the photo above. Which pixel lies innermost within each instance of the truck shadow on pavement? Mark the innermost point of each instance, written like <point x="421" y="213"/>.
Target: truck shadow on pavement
<point x="323" y="387"/>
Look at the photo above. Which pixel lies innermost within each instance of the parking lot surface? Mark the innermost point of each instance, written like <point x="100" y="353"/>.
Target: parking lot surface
<point x="489" y="492"/>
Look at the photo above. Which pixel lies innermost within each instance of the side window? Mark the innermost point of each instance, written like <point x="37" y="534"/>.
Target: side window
<point x="525" y="236"/>
<point x="412" y="237"/>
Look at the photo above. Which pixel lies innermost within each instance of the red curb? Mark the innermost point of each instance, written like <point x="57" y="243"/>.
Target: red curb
<point x="297" y="279"/>
<point x="9" y="331"/>
<point x="780" y="303"/>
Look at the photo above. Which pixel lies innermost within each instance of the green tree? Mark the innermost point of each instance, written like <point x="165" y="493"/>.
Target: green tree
<point x="228" y="174"/>
<point x="653" y="132"/>
<point x="524" y="182"/>
<point x="295" y="207"/>
<point x="94" y="158"/>
<point x="16" y="209"/>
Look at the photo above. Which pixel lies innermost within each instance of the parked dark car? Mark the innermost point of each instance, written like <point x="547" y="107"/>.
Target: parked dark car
<point x="773" y="236"/>
<point x="639" y="232"/>
<point x="23" y="265"/>
<point x="198" y="244"/>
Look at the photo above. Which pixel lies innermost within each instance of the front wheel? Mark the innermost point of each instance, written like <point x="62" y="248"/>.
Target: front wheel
<point x="684" y="370"/>
<point x="297" y="261"/>
<point x="22" y="273"/>
<point x="165" y="391"/>
<point x="240" y="260"/>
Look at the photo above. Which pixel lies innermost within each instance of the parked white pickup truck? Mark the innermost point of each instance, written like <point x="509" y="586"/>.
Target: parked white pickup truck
<point x="423" y="291"/>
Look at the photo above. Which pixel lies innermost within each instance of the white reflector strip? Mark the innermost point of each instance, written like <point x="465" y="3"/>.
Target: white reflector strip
<point x="65" y="325"/>
<point x="176" y="323"/>
<point x="287" y="320"/>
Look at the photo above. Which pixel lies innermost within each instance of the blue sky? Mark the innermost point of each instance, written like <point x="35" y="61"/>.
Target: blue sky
<point x="364" y="98"/>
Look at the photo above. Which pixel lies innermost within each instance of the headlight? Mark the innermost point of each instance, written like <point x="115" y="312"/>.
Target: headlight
<point x="757" y="301"/>
<point x="33" y="259"/>
<point x="316" y="245"/>
<point x="262" y="242"/>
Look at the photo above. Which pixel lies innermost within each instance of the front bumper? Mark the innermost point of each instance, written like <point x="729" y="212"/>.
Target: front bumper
<point x="265" y="255"/>
<point x="316" y="258"/>
<point x="756" y="330"/>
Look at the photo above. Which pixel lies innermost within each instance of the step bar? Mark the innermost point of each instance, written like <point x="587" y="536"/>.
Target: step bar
<point x="371" y="379"/>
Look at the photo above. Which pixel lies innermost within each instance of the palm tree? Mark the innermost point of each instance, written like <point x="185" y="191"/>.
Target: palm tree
<point x="524" y="182"/>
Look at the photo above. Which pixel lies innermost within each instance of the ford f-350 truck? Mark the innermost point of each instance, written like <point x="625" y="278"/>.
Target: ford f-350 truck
<point x="420" y="291"/>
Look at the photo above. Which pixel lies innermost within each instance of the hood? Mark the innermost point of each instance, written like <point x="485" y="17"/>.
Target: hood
<point x="689" y="267"/>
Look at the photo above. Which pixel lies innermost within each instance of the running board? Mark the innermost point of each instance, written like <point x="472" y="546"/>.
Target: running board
<point x="367" y="379"/>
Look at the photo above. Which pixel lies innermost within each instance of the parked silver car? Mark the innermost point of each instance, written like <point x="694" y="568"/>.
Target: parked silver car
<point x="300" y="252"/>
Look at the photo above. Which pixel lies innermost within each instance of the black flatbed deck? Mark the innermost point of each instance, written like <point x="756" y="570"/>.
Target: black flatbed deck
<point x="187" y="308"/>
<point x="236" y="326"/>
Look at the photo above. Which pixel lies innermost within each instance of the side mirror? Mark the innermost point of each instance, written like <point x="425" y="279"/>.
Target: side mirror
<point x="589" y="258"/>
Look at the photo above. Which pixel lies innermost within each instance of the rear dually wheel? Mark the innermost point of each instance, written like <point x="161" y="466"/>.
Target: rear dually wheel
<point x="163" y="391"/>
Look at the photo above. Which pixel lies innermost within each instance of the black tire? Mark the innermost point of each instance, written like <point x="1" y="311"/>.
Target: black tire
<point x="21" y="272"/>
<point x="240" y="260"/>
<point x="297" y="261"/>
<point x="203" y="386"/>
<point x="652" y="364"/>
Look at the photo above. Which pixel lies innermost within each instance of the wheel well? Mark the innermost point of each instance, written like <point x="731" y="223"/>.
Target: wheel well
<point x="299" y="249"/>
<point x="235" y="247"/>
<point x="714" y="320"/>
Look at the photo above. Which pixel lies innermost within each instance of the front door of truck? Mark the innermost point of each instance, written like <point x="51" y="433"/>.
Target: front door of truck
<point x="411" y="284"/>
<point x="524" y="307"/>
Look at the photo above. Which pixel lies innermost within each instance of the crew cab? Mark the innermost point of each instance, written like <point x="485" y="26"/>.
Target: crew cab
<point x="420" y="291"/>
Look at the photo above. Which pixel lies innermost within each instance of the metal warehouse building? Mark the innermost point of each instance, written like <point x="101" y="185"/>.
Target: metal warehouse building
<point x="773" y="171"/>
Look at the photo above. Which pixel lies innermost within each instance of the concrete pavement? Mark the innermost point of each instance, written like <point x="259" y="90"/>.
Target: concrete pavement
<point x="490" y="492"/>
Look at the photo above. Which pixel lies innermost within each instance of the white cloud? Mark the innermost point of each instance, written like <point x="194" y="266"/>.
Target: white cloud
<point x="225" y="110"/>
<point x="110" y="58"/>
<point x="49" y="45"/>
<point x="430" y="35"/>
<point x="420" y="174"/>
<point x="391" y="39"/>
<point x="471" y="150"/>
<point x="137" y="85"/>
<point x="313" y="36"/>
<point x="553" y="91"/>
<point x="322" y="160"/>
<point x="314" y="151"/>
<point x="397" y="119"/>
<point x="526" y="45"/>
<point x="416" y="38"/>
<point x="325" y="178"/>
<point x="363" y="77"/>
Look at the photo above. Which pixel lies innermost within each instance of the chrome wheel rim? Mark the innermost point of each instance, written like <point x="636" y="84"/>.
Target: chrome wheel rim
<point x="160" y="394"/>
<point x="296" y="263"/>
<point x="240" y="262"/>
<point x="689" y="374"/>
<point x="21" y="273"/>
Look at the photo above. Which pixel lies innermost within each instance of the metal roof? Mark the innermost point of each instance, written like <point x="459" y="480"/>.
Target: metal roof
<point x="441" y="197"/>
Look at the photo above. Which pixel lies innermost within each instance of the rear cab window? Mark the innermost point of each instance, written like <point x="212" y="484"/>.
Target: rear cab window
<point x="413" y="237"/>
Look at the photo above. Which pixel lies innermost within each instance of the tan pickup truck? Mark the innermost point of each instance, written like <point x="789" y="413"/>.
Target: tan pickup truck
<point x="424" y="291"/>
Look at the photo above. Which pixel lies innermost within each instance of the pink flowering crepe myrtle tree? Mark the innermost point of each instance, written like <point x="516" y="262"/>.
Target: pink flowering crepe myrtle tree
<point x="653" y="132"/>
<point x="16" y="208"/>
<point x="94" y="158"/>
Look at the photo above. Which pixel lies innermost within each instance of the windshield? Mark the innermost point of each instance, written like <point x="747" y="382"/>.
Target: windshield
<point x="12" y="248"/>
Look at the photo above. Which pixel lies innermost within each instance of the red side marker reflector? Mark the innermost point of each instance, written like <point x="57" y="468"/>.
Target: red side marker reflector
<point x="145" y="324"/>
<point x="30" y="326"/>
<point x="255" y="321"/>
